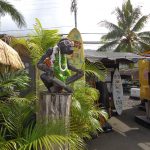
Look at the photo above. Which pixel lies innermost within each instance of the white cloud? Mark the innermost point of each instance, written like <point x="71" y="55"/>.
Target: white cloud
<point x="56" y="14"/>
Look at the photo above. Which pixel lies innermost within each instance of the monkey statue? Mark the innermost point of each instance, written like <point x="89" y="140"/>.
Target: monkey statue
<point x="56" y="68"/>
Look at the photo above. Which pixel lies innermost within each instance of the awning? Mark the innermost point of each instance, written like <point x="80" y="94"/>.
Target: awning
<point x="114" y="56"/>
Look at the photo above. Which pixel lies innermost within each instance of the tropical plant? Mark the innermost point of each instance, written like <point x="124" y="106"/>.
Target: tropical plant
<point x="125" y="36"/>
<point x="38" y="42"/>
<point x="95" y="70"/>
<point x="7" y="8"/>
<point x="85" y="111"/>
<point x="20" y="130"/>
<point x="11" y="82"/>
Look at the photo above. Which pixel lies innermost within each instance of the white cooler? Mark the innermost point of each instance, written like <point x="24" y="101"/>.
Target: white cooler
<point x="135" y="93"/>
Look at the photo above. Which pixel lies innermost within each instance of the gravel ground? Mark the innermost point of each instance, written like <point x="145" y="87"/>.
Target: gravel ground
<point x="129" y="103"/>
<point x="126" y="134"/>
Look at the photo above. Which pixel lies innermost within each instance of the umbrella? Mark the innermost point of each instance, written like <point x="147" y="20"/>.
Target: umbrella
<point x="9" y="57"/>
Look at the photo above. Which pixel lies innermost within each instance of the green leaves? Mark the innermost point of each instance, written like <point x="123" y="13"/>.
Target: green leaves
<point x="125" y="35"/>
<point x="7" y="8"/>
<point x="84" y="111"/>
<point x="140" y="23"/>
<point x="19" y="131"/>
<point x="38" y="42"/>
<point x="95" y="70"/>
<point x="13" y="81"/>
<point x="41" y="40"/>
<point x="109" y="25"/>
<point x="109" y="46"/>
<point x="45" y="136"/>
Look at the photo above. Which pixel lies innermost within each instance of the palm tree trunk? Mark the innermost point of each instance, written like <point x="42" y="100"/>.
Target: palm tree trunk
<point x="74" y="9"/>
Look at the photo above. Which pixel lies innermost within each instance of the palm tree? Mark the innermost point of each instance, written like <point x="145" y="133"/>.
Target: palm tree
<point x="7" y="8"/>
<point x="125" y="36"/>
<point x="74" y="10"/>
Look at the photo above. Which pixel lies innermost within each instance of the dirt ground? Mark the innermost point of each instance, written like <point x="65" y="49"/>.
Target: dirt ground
<point x="127" y="134"/>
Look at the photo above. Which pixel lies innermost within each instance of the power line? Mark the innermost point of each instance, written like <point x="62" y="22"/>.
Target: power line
<point x="89" y="33"/>
<point x="33" y="29"/>
<point x="85" y="42"/>
<point x="41" y="2"/>
<point x="40" y="8"/>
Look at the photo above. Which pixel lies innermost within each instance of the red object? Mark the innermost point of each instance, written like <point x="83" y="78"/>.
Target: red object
<point x="48" y="62"/>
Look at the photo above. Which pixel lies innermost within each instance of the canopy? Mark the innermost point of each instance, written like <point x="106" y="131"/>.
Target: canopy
<point x="9" y="57"/>
<point x="112" y="59"/>
<point x="120" y="56"/>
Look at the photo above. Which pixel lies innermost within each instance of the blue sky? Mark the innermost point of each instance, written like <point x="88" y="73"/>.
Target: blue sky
<point x="56" y="14"/>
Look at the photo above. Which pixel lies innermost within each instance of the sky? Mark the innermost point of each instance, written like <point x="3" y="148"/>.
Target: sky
<point x="56" y="14"/>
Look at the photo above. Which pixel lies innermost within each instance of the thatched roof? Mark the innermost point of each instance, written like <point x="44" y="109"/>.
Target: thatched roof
<point x="9" y="57"/>
<point x="20" y="48"/>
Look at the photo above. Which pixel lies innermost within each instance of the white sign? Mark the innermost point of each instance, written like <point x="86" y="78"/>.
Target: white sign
<point x="117" y="92"/>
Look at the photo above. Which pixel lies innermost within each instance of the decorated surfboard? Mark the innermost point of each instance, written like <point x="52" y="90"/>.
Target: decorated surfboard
<point x="77" y="58"/>
<point x="117" y="92"/>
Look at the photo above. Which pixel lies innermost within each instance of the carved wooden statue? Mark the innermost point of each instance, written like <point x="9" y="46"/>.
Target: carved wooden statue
<point x="57" y="69"/>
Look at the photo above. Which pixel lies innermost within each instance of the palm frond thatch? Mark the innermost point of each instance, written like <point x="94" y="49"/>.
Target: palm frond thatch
<point x="9" y="57"/>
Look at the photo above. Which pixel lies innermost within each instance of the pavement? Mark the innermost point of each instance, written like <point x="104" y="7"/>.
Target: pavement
<point x="127" y="134"/>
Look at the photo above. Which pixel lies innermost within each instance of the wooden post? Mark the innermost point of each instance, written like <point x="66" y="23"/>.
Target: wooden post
<point x="147" y="105"/>
<point x="53" y="106"/>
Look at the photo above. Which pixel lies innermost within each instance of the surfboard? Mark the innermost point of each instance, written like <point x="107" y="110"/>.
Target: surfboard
<point x="117" y="92"/>
<point x="77" y="58"/>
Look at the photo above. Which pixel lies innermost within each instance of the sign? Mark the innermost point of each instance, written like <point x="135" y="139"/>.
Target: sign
<point x="117" y="92"/>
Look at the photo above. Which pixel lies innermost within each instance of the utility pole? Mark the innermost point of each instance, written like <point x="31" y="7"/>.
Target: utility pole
<point x="74" y="10"/>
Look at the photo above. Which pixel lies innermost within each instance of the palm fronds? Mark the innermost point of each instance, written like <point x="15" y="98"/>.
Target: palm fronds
<point x="84" y="111"/>
<point x="38" y="42"/>
<point x="144" y="34"/>
<point x="109" y="25"/>
<point x="7" y="8"/>
<point x="113" y="35"/>
<point x="140" y="23"/>
<point x="13" y="81"/>
<point x="109" y="46"/>
<point x="129" y="23"/>
<point x="95" y="70"/>
<point x="20" y="132"/>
